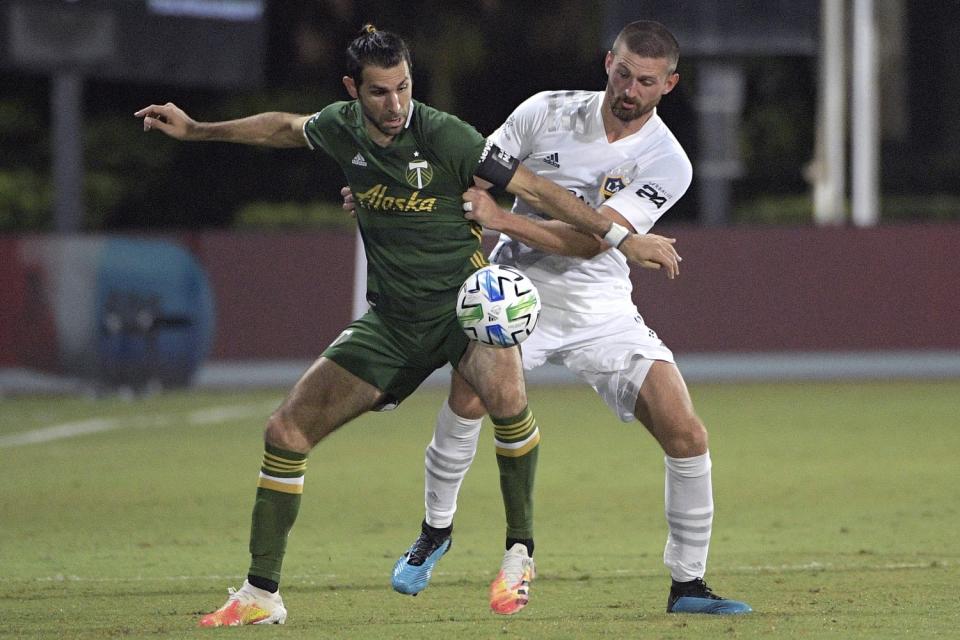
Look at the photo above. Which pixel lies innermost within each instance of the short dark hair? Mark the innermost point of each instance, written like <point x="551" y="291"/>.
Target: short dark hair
<point x="378" y="48"/>
<point x="649" y="39"/>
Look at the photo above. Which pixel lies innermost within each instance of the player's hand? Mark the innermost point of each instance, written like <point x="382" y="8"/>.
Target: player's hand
<point x="479" y="206"/>
<point x="168" y="118"/>
<point x="652" y="252"/>
<point x="349" y="204"/>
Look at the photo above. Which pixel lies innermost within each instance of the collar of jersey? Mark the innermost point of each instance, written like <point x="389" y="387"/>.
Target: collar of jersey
<point x="413" y="105"/>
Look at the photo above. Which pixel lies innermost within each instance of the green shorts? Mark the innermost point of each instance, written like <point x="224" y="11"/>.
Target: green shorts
<point x="397" y="356"/>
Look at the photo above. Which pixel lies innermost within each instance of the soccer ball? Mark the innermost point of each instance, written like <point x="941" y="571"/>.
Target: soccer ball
<point x="498" y="305"/>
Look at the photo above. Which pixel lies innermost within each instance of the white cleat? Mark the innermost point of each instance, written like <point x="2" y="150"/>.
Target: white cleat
<point x="510" y="590"/>
<point x="248" y="605"/>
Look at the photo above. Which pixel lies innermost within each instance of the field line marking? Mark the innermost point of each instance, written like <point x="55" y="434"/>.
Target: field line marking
<point x="226" y="413"/>
<point x="59" y="431"/>
<point x="935" y="563"/>
<point x="201" y="417"/>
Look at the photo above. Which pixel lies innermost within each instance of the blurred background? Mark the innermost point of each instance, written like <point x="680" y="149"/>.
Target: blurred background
<point x="819" y="233"/>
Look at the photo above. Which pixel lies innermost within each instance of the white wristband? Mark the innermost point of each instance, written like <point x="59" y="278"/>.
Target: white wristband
<point x="617" y="234"/>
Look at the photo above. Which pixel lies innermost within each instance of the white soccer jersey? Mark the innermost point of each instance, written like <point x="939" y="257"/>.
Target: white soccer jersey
<point x="559" y="135"/>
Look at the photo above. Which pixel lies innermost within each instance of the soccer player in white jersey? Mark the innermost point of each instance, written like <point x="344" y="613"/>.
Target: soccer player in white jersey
<point x="611" y="149"/>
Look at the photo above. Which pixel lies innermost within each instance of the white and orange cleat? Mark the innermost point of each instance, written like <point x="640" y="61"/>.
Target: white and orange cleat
<point x="510" y="591"/>
<point x="248" y="605"/>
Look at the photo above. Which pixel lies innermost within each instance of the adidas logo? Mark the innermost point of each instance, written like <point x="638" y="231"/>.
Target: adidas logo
<point x="358" y="160"/>
<point x="553" y="160"/>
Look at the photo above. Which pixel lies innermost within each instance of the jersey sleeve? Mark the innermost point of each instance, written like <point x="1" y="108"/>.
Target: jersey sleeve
<point x="517" y="133"/>
<point x="314" y="129"/>
<point x="452" y="142"/>
<point x="658" y="186"/>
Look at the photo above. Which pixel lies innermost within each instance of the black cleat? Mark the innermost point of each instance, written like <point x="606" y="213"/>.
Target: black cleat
<point x="696" y="597"/>
<point x="412" y="572"/>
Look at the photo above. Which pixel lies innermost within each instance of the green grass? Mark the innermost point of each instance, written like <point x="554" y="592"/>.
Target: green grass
<point x="837" y="514"/>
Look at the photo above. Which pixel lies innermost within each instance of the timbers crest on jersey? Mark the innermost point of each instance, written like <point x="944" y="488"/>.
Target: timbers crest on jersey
<point x="498" y="305"/>
<point x="419" y="172"/>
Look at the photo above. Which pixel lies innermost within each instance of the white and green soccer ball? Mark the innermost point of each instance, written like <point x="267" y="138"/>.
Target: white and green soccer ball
<point x="498" y="305"/>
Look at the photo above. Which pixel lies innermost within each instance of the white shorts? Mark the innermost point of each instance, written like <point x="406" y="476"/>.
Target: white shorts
<point x="610" y="352"/>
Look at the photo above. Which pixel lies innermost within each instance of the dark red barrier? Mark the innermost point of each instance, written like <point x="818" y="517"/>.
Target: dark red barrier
<point x="13" y="282"/>
<point x="287" y="295"/>
<point x="278" y="295"/>
<point x="785" y="289"/>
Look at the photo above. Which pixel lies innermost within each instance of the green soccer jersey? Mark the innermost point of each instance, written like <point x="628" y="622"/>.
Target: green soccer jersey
<point x="419" y="246"/>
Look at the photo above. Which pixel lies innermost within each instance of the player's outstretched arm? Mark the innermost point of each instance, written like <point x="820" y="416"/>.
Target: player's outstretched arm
<point x="270" y="129"/>
<point x="551" y="198"/>
<point x="561" y="238"/>
<point x="551" y="236"/>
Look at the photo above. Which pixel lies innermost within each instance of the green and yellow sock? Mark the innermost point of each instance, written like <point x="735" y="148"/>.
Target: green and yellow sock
<point x="275" y="510"/>
<point x="517" y="441"/>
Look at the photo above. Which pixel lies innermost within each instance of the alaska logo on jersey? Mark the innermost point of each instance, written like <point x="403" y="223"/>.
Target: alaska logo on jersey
<point x="611" y="184"/>
<point x="377" y="198"/>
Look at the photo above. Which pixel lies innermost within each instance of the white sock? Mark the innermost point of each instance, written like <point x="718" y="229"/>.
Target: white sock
<point x="688" y="503"/>
<point x="446" y="462"/>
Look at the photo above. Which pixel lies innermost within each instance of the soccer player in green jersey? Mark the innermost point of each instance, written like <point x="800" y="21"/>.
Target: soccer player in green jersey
<point x="408" y="166"/>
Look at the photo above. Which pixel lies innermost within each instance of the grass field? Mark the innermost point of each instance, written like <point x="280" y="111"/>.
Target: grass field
<point x="837" y="516"/>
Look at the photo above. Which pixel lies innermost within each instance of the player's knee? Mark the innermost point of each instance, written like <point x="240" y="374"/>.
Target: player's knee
<point x="507" y="402"/>
<point x="283" y="432"/>
<point x="498" y="396"/>
<point x="688" y="439"/>
<point x="467" y="405"/>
